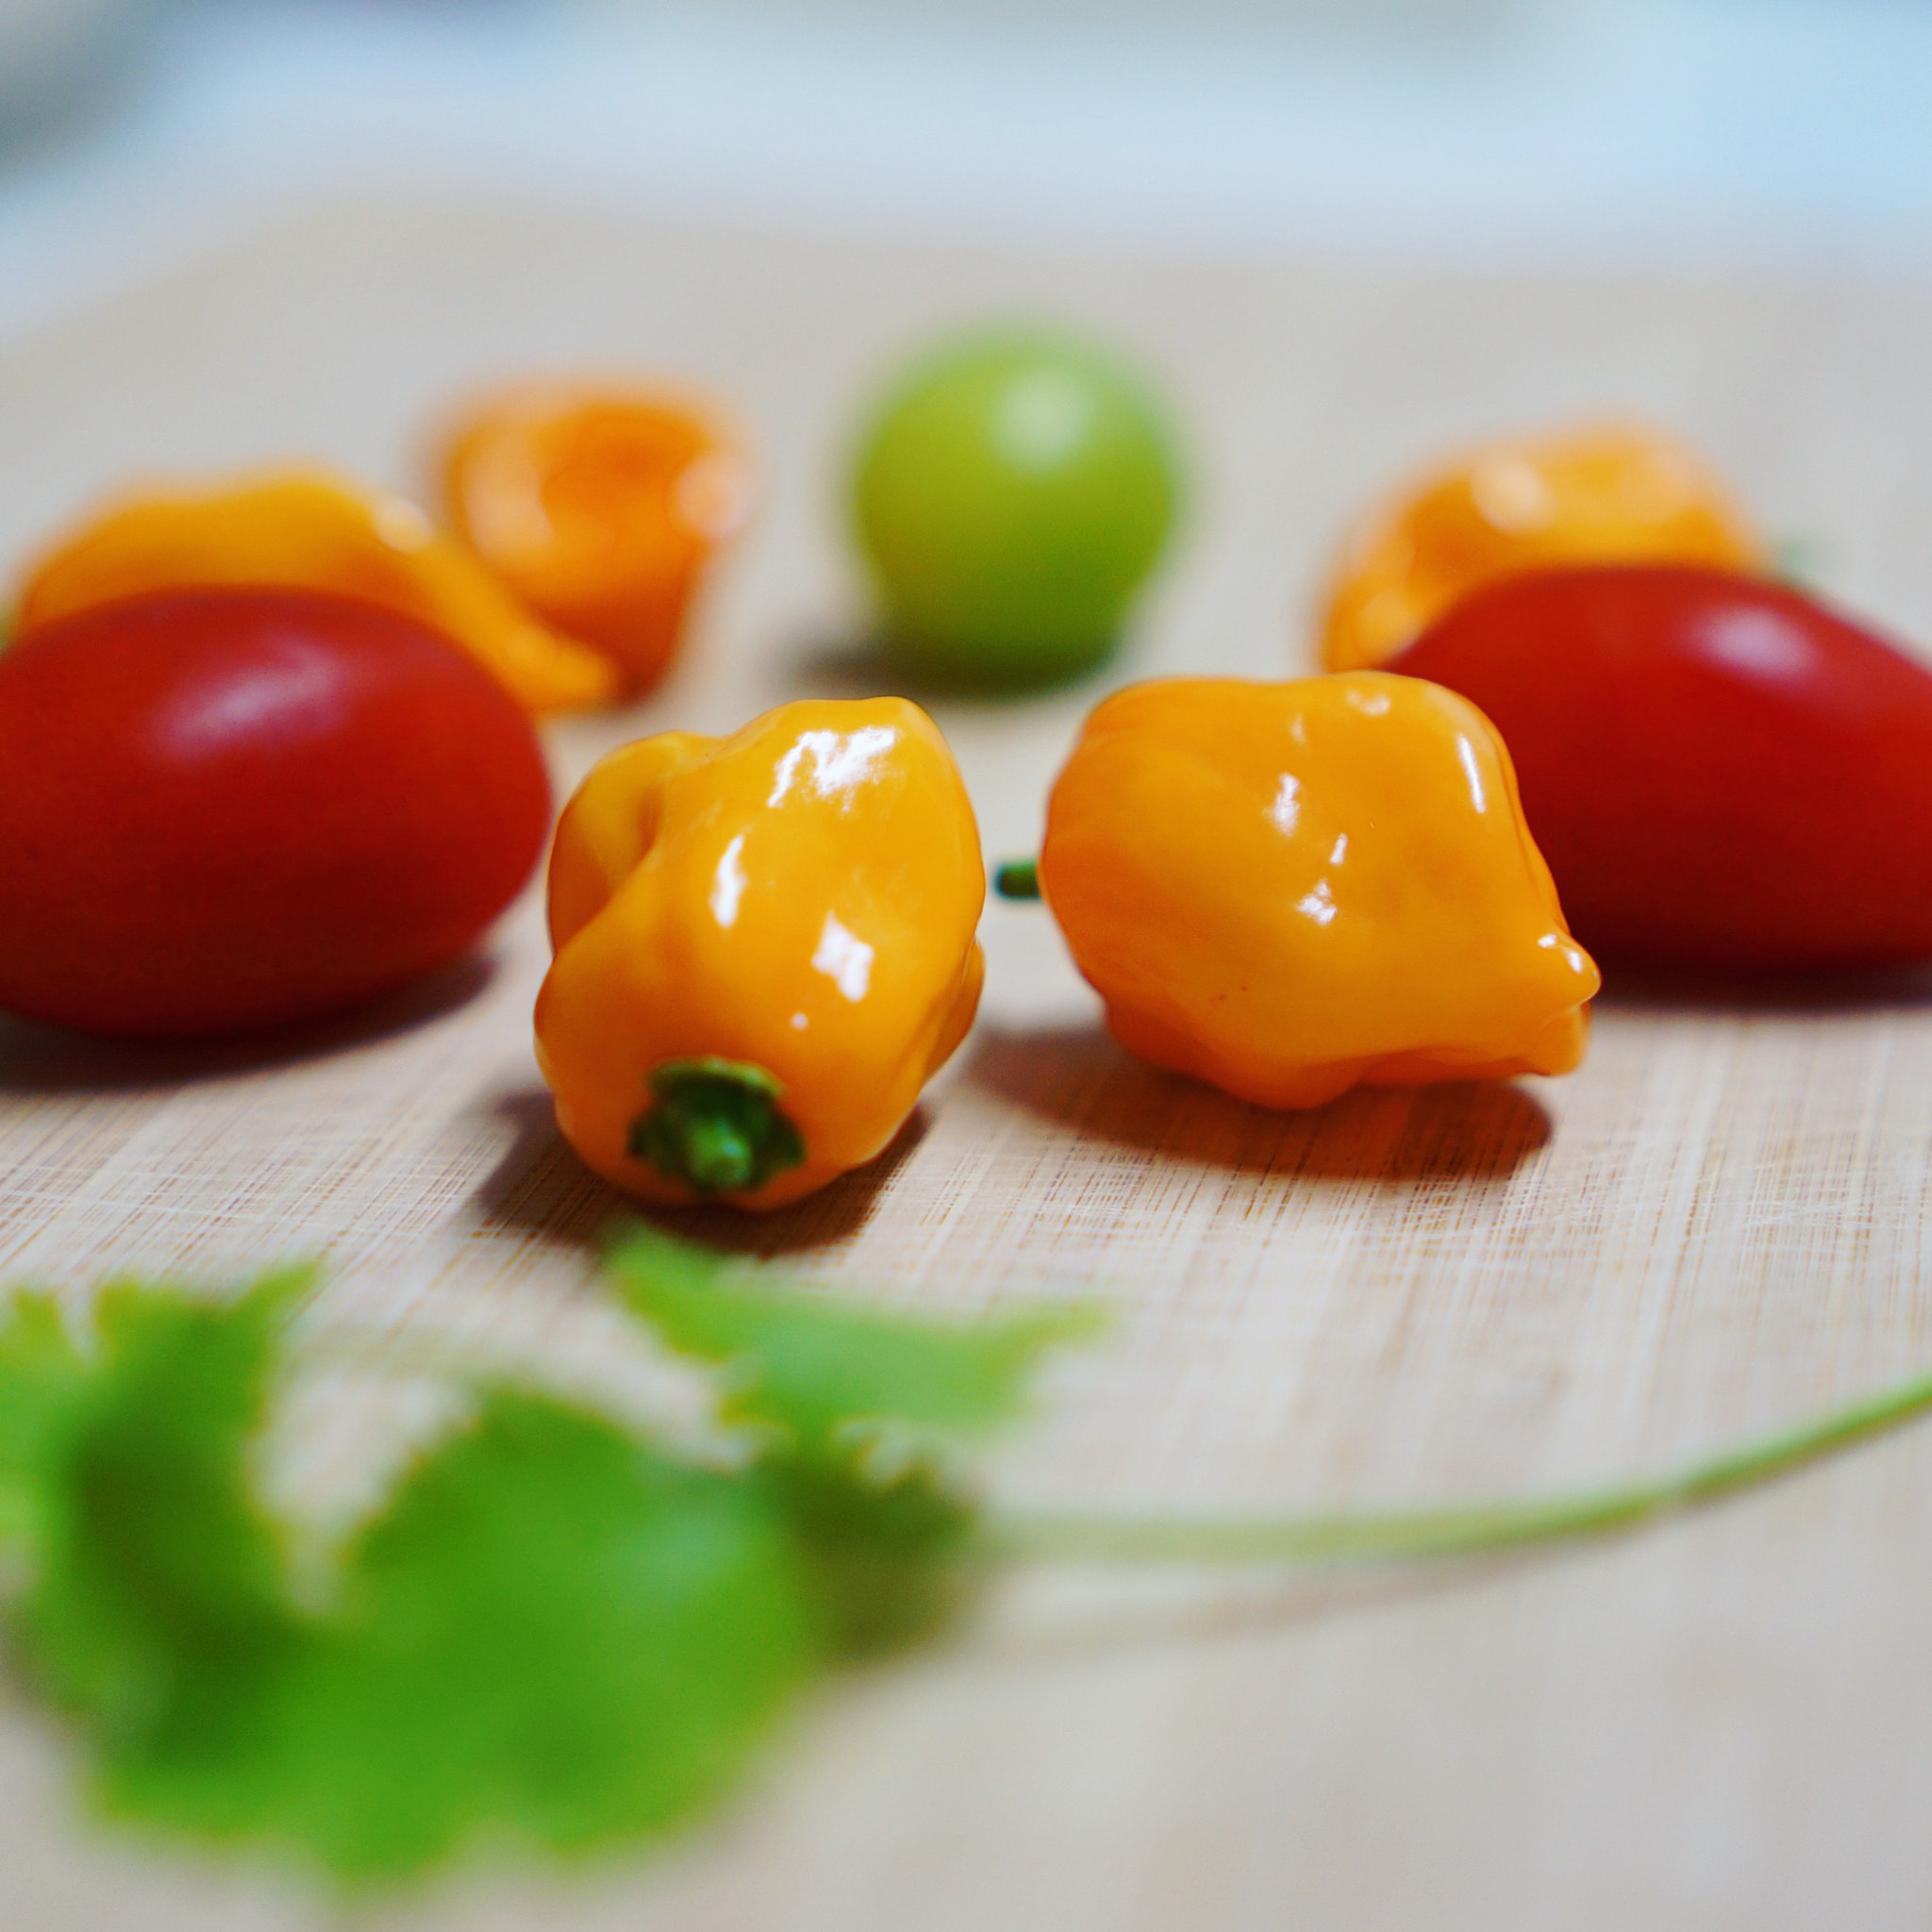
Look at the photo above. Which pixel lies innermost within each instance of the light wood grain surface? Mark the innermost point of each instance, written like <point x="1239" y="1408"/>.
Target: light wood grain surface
<point x="1718" y="1225"/>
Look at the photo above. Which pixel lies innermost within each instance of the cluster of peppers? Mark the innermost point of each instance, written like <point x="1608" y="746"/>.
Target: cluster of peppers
<point x="580" y="521"/>
<point x="765" y="945"/>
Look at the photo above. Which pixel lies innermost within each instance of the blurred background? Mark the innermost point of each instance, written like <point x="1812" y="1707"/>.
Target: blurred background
<point x="1792" y="131"/>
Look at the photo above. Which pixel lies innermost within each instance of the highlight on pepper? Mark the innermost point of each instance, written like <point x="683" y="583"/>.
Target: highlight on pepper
<point x="1604" y="494"/>
<point x="1290" y="890"/>
<point x="765" y="949"/>
<point x="312" y="529"/>
<point x="600" y="507"/>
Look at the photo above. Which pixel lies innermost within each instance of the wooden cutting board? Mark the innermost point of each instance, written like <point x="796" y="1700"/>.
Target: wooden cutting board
<point x="1717" y="1226"/>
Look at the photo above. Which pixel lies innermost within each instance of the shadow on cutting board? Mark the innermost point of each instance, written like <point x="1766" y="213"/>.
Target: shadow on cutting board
<point x="1468" y="1130"/>
<point x="858" y="664"/>
<point x="1642" y="990"/>
<point x="1113" y="1609"/>
<point x="540" y="1187"/>
<point x="50" y="1059"/>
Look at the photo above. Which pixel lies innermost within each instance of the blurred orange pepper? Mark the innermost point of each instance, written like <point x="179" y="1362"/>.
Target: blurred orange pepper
<point x="764" y="950"/>
<point x="316" y="531"/>
<point x="1603" y="494"/>
<point x="1288" y="890"/>
<point x="599" y="507"/>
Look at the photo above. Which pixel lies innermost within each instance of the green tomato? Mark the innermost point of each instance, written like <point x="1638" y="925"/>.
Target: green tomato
<point x="1011" y="496"/>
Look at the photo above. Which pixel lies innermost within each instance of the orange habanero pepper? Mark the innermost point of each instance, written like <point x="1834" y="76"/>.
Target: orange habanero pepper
<point x="1288" y="890"/>
<point x="1605" y="495"/>
<point x="314" y="532"/>
<point x="764" y="950"/>
<point x="599" y="507"/>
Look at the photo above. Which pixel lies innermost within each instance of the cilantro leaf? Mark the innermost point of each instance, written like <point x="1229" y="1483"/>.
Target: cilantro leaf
<point x="815" y="1368"/>
<point x="551" y="1631"/>
<point x="890" y="1556"/>
<point x="554" y="1634"/>
<point x="857" y="1408"/>
<point x="157" y="1578"/>
<point x="40" y="1371"/>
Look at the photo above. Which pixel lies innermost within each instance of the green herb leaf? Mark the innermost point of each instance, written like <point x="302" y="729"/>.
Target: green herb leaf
<point x="156" y="1579"/>
<point x="40" y="1372"/>
<point x="554" y="1634"/>
<point x="816" y="1368"/>
<point x="857" y="1408"/>
<point x="552" y="1631"/>
<point x="890" y="1555"/>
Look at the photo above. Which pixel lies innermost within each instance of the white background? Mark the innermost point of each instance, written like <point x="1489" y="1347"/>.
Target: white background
<point x="1794" y="131"/>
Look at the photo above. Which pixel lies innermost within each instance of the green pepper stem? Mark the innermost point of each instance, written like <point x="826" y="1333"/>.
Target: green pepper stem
<point x="716" y="1126"/>
<point x="1472" y="1530"/>
<point x="1019" y="878"/>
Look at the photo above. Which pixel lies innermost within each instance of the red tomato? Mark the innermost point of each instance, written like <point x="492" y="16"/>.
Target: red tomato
<point x="1722" y="773"/>
<point x="227" y="809"/>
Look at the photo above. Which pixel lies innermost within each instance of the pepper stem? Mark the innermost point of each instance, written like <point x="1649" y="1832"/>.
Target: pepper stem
<point x="1019" y="878"/>
<point x="716" y="1126"/>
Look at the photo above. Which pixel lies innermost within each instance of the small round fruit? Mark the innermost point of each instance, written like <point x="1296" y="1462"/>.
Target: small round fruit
<point x="223" y="809"/>
<point x="1011" y="496"/>
<point x="1722" y="773"/>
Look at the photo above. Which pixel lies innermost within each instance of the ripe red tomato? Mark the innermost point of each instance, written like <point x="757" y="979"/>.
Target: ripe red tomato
<point x="228" y="809"/>
<point x="1722" y="773"/>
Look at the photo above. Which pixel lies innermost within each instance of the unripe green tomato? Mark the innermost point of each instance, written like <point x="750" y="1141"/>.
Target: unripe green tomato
<point x="1011" y="496"/>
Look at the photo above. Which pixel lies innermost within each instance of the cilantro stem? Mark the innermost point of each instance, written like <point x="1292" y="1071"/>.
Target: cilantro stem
<point x="1454" y="1531"/>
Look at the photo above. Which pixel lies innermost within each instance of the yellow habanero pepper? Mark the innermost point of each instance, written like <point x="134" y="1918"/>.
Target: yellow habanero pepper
<point x="764" y="950"/>
<point x="1605" y="494"/>
<point x="1288" y="890"/>
<point x="600" y="508"/>
<point x="317" y="532"/>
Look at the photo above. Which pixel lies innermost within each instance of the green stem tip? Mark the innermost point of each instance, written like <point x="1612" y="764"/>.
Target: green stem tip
<point x="1019" y="878"/>
<point x="716" y="1125"/>
<point x="1476" y="1529"/>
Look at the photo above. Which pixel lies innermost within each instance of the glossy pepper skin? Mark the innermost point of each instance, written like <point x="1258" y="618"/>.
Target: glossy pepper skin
<point x="1290" y="890"/>
<point x="600" y="508"/>
<point x="1603" y="494"/>
<point x="765" y="948"/>
<point x="312" y="531"/>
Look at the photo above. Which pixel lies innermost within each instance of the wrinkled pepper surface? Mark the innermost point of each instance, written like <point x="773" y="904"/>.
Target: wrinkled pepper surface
<point x="1608" y="495"/>
<point x="315" y="531"/>
<point x="765" y="947"/>
<point x="600" y="508"/>
<point x="1288" y="890"/>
